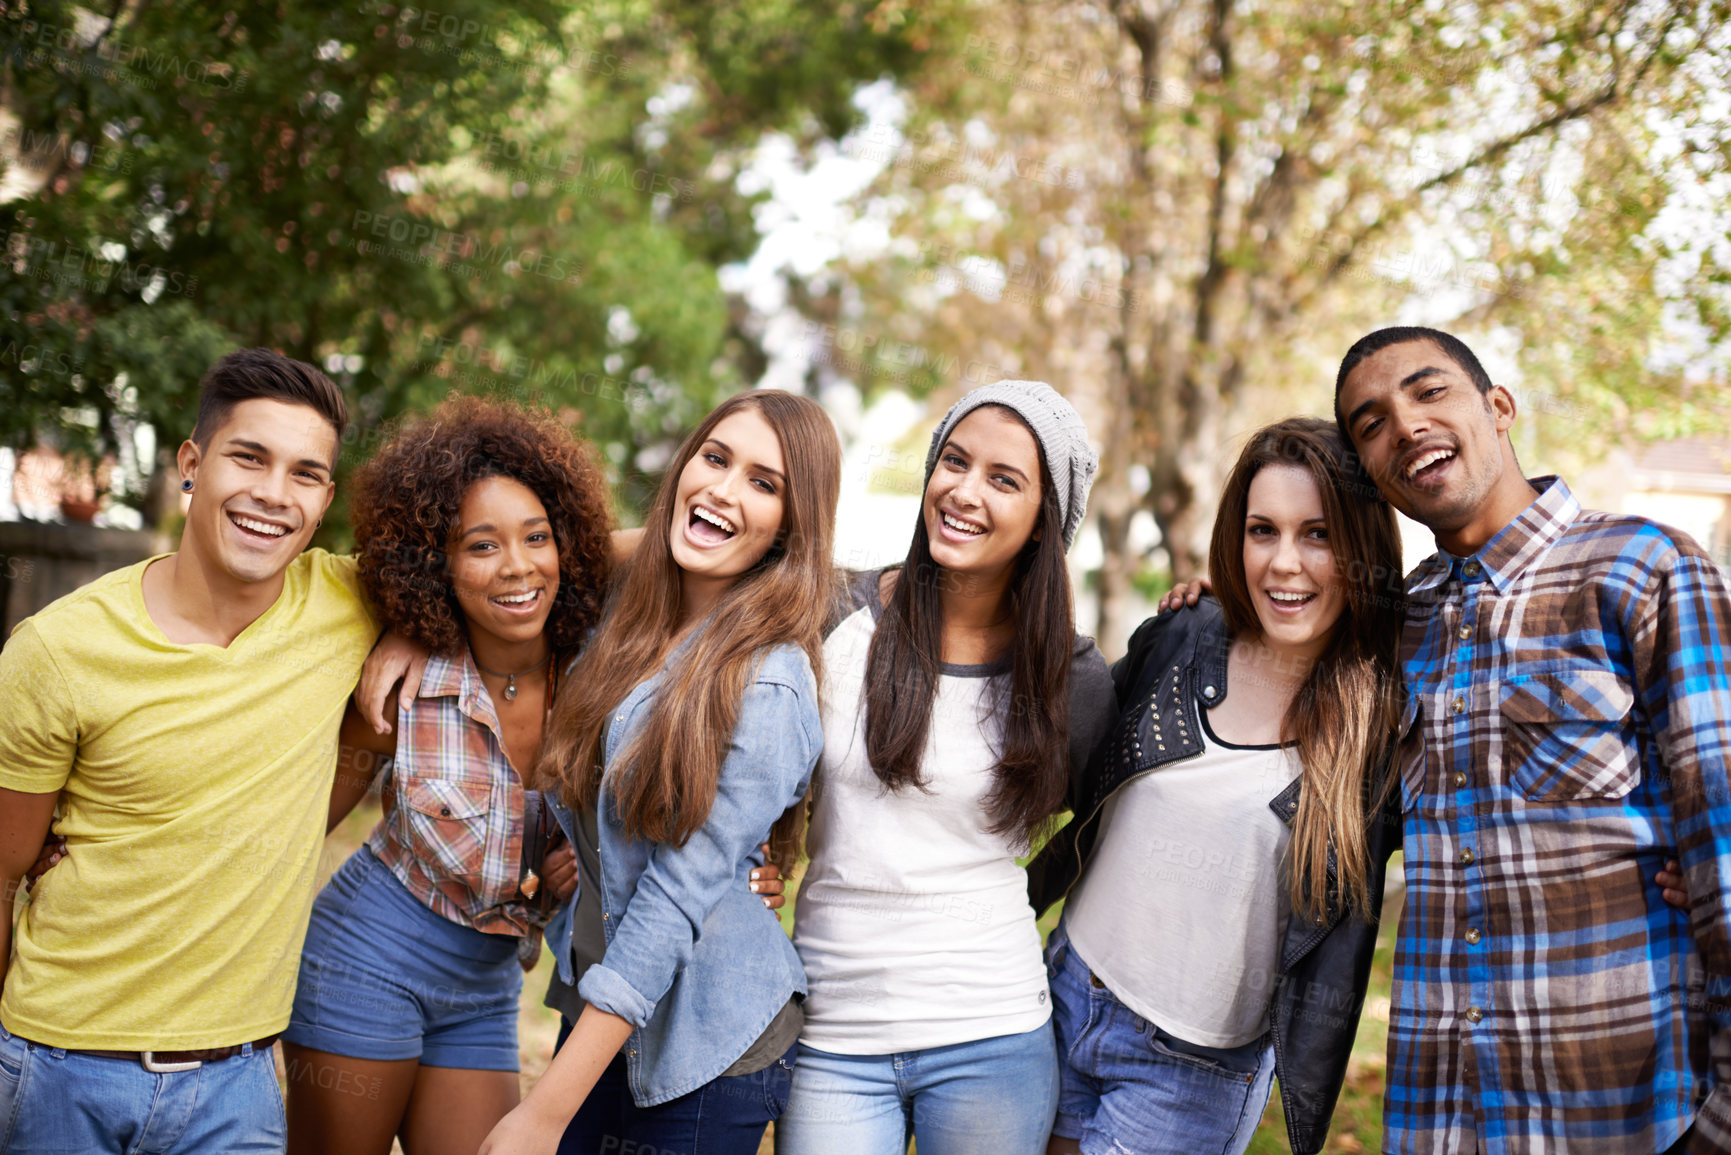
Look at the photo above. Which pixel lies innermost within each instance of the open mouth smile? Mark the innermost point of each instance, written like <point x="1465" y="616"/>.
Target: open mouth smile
<point x="1428" y="466"/>
<point x="705" y="527"/>
<point x="959" y="529"/>
<point x="522" y="602"/>
<point x="1289" y="601"/>
<point x="257" y="528"/>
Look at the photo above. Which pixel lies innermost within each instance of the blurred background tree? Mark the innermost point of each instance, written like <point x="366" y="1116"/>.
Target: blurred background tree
<point x="530" y="198"/>
<point x="1185" y="210"/>
<point x="1177" y="211"/>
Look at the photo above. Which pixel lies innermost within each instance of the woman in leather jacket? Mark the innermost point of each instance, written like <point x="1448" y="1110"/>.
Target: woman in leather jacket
<point x="1221" y="914"/>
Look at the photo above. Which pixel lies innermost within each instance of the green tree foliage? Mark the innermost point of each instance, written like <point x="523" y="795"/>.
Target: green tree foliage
<point x="530" y="198"/>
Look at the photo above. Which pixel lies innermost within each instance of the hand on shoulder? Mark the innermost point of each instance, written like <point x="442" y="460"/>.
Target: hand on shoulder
<point x="1184" y="594"/>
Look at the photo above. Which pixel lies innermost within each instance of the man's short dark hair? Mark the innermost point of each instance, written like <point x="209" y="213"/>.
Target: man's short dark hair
<point x="252" y="374"/>
<point x="1451" y="346"/>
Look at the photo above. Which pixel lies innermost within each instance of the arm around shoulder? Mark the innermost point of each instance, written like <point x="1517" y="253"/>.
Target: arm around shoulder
<point x="1681" y="635"/>
<point x="24" y="822"/>
<point x="361" y="750"/>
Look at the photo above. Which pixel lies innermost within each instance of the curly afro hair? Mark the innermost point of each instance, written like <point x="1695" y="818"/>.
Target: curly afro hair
<point x="405" y="503"/>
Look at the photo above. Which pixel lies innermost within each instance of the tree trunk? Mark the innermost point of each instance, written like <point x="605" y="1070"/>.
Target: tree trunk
<point x="1117" y="569"/>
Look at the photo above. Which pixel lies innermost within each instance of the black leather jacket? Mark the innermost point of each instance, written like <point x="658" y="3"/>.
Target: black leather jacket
<point x="1175" y="661"/>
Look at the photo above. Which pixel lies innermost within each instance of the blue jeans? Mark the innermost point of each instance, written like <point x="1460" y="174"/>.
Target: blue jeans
<point x="1130" y="1086"/>
<point x="725" y="1116"/>
<point x="990" y="1097"/>
<point x="53" y="1100"/>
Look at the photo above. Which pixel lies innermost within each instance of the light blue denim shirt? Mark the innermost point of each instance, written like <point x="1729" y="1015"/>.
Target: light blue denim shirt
<point x="695" y="961"/>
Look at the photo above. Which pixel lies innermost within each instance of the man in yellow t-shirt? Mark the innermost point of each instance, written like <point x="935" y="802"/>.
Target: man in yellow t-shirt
<point x="184" y="714"/>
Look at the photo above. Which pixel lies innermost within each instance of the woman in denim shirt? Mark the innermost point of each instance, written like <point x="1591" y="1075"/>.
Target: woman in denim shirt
<point x="688" y="729"/>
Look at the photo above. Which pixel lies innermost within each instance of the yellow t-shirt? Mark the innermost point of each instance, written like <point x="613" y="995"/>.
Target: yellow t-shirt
<point x="195" y="781"/>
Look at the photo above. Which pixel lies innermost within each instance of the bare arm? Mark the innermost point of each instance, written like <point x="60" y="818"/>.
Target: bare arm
<point x="24" y="822"/>
<point x="394" y="658"/>
<point x="360" y="751"/>
<point x="534" y="1126"/>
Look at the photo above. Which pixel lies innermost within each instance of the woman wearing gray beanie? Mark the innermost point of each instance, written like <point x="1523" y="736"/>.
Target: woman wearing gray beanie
<point x="958" y="698"/>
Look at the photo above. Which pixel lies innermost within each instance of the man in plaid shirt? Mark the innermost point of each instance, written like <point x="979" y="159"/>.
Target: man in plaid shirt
<point x="1566" y="730"/>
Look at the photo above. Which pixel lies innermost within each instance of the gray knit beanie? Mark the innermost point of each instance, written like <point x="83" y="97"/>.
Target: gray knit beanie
<point x="1057" y="427"/>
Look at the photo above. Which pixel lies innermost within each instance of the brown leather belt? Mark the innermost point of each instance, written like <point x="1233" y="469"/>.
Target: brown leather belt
<point x="167" y="1062"/>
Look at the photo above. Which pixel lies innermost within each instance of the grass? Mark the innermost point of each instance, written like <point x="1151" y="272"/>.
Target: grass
<point x="1357" y="1125"/>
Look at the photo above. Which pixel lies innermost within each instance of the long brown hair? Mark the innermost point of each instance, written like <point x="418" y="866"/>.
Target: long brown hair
<point x="1342" y="717"/>
<point x="666" y="781"/>
<point x="905" y="661"/>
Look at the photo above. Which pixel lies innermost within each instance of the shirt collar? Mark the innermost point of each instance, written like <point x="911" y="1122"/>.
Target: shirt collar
<point x="447" y="677"/>
<point x="1514" y="547"/>
<point x="460" y="679"/>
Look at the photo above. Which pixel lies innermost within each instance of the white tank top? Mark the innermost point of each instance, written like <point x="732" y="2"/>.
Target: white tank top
<point x="1183" y="904"/>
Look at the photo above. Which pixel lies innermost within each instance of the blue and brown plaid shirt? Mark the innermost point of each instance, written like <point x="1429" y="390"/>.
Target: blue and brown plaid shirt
<point x="1567" y="728"/>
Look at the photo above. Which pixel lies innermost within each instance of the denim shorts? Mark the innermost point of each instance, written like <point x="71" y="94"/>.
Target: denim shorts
<point x="383" y="977"/>
<point x="1127" y="1085"/>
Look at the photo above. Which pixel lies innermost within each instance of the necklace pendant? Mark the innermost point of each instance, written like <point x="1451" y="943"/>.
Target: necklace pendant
<point x="511" y="688"/>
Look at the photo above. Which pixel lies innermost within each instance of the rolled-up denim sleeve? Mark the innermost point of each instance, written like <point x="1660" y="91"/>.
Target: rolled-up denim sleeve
<point x="768" y="766"/>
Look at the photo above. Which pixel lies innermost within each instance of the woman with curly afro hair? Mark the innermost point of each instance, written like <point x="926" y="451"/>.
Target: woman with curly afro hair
<point x="482" y="532"/>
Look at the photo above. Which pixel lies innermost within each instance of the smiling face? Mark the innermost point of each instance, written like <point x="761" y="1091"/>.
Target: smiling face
<point x="729" y="505"/>
<point x="1434" y="444"/>
<point x="260" y="486"/>
<point x="982" y="503"/>
<point x="1289" y="563"/>
<point x="504" y="562"/>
